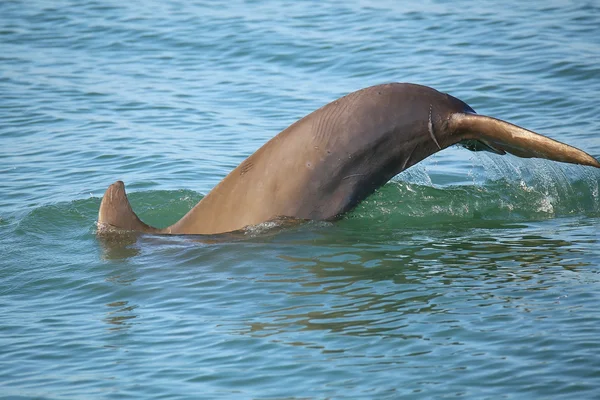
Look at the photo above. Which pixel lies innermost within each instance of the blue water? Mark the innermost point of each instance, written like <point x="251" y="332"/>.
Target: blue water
<point x="469" y="275"/>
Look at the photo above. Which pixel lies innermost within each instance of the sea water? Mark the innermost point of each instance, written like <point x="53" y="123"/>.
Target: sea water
<point x="470" y="275"/>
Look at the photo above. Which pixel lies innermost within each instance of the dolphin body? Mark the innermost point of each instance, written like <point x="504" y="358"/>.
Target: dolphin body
<point x="326" y="163"/>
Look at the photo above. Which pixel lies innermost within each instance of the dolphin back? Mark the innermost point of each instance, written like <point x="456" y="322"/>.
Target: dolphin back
<point x="323" y="165"/>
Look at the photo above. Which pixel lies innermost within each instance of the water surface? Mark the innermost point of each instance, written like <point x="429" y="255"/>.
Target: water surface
<point x="468" y="275"/>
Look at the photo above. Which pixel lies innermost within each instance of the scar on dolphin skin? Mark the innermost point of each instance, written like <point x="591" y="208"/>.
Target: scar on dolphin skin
<point x="407" y="159"/>
<point x="392" y="123"/>
<point x="246" y="166"/>
<point x="352" y="176"/>
<point x="430" y="128"/>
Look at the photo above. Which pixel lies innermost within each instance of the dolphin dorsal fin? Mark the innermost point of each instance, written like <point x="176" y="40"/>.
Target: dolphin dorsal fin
<point x="116" y="212"/>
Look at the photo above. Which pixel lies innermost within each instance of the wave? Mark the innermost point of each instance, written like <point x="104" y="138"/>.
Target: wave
<point x="401" y="203"/>
<point x="410" y="199"/>
<point x="510" y="191"/>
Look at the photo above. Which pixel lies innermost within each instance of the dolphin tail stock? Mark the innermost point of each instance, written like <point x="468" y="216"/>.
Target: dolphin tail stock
<point x="116" y="213"/>
<point x="491" y="134"/>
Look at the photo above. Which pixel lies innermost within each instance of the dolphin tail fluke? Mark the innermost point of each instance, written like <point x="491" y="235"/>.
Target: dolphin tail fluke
<point x="491" y="134"/>
<point x="116" y="213"/>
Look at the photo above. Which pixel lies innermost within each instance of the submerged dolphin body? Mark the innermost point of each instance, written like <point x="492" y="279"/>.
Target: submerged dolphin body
<point x="329" y="161"/>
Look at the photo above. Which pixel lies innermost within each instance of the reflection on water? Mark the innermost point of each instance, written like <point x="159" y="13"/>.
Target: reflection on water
<point x="118" y="245"/>
<point x="121" y="315"/>
<point x="379" y="287"/>
<point x="121" y="279"/>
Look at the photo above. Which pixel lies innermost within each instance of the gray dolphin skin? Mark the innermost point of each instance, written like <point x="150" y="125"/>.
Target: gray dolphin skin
<point x="323" y="165"/>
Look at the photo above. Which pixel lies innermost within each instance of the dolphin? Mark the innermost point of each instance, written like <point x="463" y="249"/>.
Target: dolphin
<point x="326" y="163"/>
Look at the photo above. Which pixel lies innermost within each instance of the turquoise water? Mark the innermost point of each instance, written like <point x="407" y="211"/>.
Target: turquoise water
<point x="468" y="275"/>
